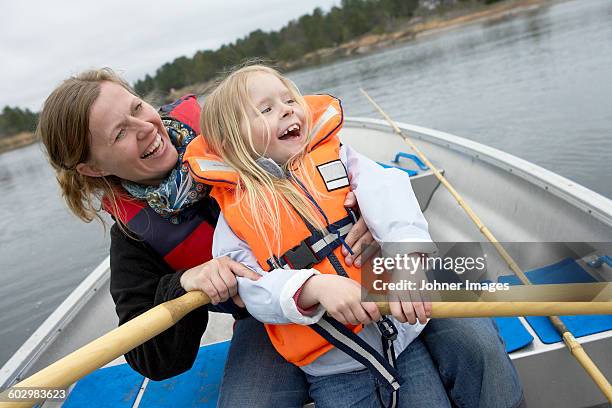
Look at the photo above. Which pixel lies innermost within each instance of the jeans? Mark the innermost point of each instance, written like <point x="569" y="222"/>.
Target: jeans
<point x="422" y="386"/>
<point x="461" y="360"/>
<point x="472" y="362"/>
<point x="256" y="375"/>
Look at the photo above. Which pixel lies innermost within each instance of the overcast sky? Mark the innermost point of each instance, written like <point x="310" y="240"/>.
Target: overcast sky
<point x="43" y="42"/>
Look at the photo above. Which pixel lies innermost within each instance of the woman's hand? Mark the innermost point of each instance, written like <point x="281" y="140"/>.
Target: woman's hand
<point x="217" y="278"/>
<point x="358" y="238"/>
<point x="341" y="297"/>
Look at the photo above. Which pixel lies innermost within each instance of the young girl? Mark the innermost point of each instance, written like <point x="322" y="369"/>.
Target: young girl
<point x="280" y="175"/>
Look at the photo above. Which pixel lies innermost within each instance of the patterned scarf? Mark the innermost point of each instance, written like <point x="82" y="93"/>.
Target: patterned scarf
<point x="178" y="191"/>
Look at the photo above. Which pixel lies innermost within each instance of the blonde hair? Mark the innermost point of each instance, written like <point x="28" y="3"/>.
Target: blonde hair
<point x="63" y="127"/>
<point x="225" y="110"/>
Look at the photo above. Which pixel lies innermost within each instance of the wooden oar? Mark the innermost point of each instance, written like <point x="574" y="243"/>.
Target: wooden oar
<point x="66" y="371"/>
<point x="569" y="339"/>
<point x="510" y="309"/>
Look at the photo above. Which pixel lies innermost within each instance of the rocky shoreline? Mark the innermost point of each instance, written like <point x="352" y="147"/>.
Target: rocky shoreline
<point x="418" y="27"/>
<point x="16" y="141"/>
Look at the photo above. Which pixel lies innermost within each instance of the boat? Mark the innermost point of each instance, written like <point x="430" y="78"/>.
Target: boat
<point x="519" y="201"/>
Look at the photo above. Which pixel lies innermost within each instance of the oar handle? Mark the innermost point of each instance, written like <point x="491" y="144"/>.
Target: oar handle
<point x="507" y="309"/>
<point x="66" y="371"/>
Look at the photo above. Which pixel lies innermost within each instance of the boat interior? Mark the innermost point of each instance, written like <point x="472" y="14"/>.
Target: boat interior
<point x="557" y="231"/>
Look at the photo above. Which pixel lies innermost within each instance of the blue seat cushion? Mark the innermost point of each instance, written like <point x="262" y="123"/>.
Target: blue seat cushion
<point x="513" y="332"/>
<point x="112" y="387"/>
<point x="118" y="386"/>
<point x="565" y="271"/>
<point x="198" y="387"/>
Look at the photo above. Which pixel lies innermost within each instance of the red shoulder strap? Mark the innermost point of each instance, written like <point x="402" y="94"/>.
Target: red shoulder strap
<point x="186" y="110"/>
<point x="127" y="208"/>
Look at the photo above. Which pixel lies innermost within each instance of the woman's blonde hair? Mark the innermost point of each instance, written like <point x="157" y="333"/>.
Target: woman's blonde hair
<point x="224" y="111"/>
<point x="63" y="127"/>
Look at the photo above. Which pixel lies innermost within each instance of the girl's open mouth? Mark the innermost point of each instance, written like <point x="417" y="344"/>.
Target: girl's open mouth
<point x="291" y="132"/>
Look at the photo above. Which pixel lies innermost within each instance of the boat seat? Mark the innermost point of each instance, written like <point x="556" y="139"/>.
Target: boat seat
<point x="511" y="329"/>
<point x="513" y="333"/>
<point x="118" y="386"/>
<point x="565" y="271"/>
<point x="113" y="387"/>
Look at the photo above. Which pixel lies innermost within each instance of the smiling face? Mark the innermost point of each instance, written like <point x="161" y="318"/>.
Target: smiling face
<point x="128" y="139"/>
<point x="278" y="122"/>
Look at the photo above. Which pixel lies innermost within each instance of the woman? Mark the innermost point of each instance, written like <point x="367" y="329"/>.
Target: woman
<point x="101" y="139"/>
<point x="105" y="142"/>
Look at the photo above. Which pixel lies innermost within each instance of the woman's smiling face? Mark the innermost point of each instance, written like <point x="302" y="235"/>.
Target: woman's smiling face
<point x="127" y="139"/>
<point x="278" y="126"/>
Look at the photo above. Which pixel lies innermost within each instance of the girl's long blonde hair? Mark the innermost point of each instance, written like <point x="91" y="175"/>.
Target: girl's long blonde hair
<point x="225" y="110"/>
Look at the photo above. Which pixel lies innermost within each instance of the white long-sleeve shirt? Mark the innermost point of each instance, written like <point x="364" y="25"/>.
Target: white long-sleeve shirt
<point x="391" y="212"/>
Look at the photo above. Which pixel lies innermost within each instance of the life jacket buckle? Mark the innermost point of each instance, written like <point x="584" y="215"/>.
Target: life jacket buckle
<point x="387" y="329"/>
<point x="301" y="257"/>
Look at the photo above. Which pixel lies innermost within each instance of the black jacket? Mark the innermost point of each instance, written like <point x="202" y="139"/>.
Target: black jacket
<point x="140" y="280"/>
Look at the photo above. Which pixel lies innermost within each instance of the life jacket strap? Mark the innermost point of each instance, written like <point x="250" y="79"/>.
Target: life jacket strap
<point x="350" y="343"/>
<point x="315" y="248"/>
<point x="388" y="333"/>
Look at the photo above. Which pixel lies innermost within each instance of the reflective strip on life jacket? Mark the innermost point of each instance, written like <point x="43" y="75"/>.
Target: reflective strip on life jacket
<point x="345" y="340"/>
<point x="327" y="115"/>
<point x="210" y="165"/>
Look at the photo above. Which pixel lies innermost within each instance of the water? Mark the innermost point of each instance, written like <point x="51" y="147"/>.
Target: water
<point x="45" y="251"/>
<point x="538" y="86"/>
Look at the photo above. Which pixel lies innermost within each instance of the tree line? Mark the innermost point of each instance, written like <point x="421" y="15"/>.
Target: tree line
<point x="308" y="33"/>
<point x="305" y="34"/>
<point x="17" y="120"/>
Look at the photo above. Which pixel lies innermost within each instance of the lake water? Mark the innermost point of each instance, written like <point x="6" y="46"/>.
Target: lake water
<point x="538" y="86"/>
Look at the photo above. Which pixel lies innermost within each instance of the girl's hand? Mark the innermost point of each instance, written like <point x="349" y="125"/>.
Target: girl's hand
<point x="217" y="278"/>
<point x="341" y="297"/>
<point x="358" y="238"/>
<point x="410" y="311"/>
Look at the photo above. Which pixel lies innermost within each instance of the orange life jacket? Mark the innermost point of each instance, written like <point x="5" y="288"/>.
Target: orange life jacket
<point x="298" y="344"/>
